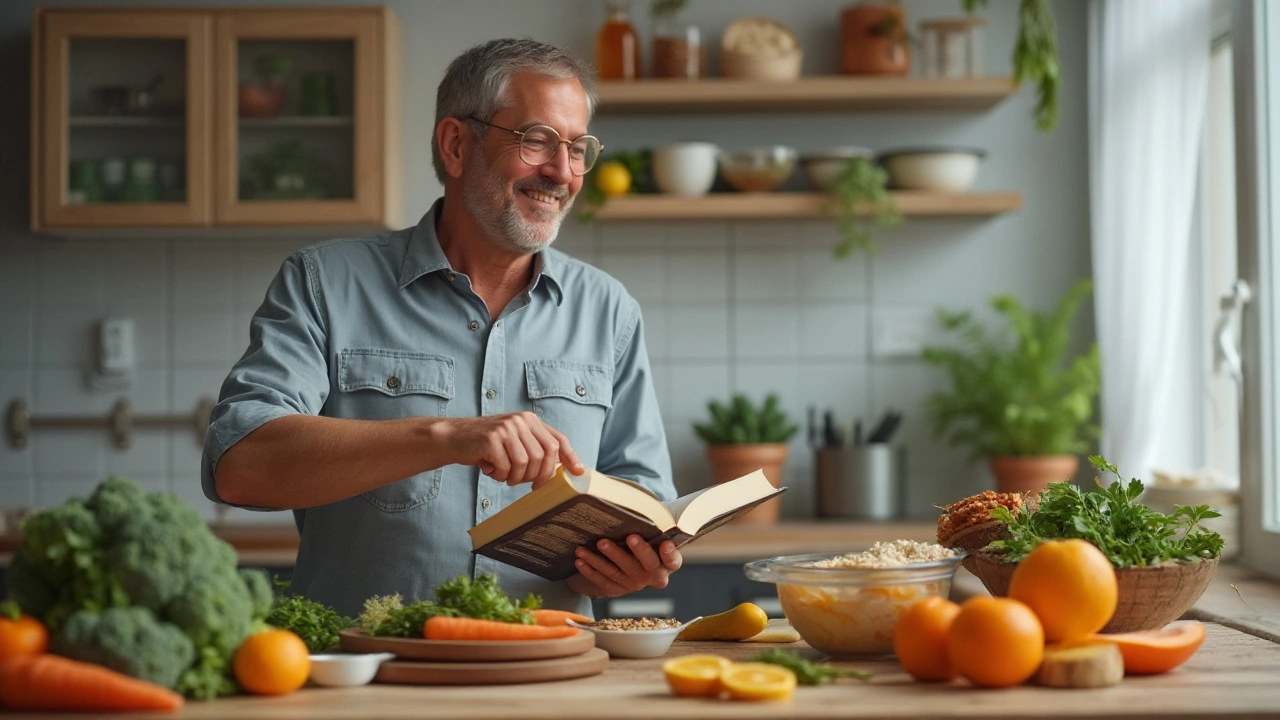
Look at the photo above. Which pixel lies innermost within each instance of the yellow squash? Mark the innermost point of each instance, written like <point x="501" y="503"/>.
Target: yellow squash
<point x="744" y="621"/>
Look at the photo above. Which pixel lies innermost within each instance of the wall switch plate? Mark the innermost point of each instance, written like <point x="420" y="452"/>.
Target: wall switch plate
<point x="903" y="332"/>
<point x="115" y="346"/>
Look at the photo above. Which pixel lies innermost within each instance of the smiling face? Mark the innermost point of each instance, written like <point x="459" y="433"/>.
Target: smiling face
<point x="520" y="206"/>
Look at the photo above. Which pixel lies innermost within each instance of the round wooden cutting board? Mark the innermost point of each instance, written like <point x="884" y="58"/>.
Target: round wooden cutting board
<point x="592" y="662"/>
<point x="464" y="651"/>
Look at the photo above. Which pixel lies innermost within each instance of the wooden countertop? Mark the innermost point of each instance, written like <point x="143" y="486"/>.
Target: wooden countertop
<point x="277" y="545"/>
<point x="1233" y="675"/>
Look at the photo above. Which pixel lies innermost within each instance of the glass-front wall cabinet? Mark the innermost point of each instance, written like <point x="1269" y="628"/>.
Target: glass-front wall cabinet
<point x="123" y="138"/>
<point x="253" y="117"/>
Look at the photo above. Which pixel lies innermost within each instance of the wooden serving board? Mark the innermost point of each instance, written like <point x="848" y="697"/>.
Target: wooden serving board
<point x="591" y="662"/>
<point x="467" y="651"/>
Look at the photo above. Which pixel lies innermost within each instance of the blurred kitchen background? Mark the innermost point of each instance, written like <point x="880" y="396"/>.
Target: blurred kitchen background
<point x="730" y="305"/>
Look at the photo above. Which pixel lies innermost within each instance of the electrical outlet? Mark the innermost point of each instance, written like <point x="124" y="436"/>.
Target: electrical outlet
<point x="902" y="332"/>
<point x="115" y="346"/>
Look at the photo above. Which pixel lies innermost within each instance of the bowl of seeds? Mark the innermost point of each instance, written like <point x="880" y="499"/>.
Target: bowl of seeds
<point x="634" y="637"/>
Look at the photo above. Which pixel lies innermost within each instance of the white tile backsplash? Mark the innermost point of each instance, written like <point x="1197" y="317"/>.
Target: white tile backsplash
<point x="17" y="337"/>
<point x="833" y="330"/>
<point x="698" y="276"/>
<point x="698" y="332"/>
<point x="137" y="272"/>
<point x="66" y="335"/>
<point x="71" y="274"/>
<point x="692" y="385"/>
<point x="203" y="277"/>
<point x="643" y="273"/>
<point x="766" y="332"/>
<point x="766" y="275"/>
<point x="18" y="276"/>
<point x="16" y="490"/>
<point x="79" y="453"/>
<point x="205" y="337"/>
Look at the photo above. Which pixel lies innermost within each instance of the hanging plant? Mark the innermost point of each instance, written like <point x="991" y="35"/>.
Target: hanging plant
<point x="1035" y="56"/>
<point x="863" y="186"/>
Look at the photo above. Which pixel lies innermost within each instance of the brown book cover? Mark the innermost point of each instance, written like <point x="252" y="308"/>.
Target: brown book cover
<point x="539" y="532"/>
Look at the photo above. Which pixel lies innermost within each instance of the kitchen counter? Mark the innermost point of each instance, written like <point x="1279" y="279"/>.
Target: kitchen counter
<point x="1233" y="675"/>
<point x="277" y="545"/>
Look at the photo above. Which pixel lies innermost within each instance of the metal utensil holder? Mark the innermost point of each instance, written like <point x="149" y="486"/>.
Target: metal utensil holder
<point x="865" y="482"/>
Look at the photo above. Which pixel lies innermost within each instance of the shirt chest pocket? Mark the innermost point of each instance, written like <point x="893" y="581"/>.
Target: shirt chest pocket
<point x="388" y="385"/>
<point x="572" y="398"/>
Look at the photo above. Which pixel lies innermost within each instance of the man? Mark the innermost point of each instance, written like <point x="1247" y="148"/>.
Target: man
<point x="399" y="389"/>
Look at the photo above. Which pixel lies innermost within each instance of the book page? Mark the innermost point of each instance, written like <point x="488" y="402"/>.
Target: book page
<point x="717" y="500"/>
<point x="627" y="494"/>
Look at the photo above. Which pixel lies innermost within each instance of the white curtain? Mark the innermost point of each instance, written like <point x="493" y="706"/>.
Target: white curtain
<point x="1148" y="80"/>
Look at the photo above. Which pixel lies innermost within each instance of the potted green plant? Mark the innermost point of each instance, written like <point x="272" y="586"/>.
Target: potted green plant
<point x="862" y="188"/>
<point x="1021" y="405"/>
<point x="742" y="437"/>
<point x="266" y="96"/>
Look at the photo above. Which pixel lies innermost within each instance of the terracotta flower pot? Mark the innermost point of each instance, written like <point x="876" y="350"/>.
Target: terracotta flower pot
<point x="873" y="40"/>
<point x="1149" y="597"/>
<point x="729" y="462"/>
<point x="1031" y="473"/>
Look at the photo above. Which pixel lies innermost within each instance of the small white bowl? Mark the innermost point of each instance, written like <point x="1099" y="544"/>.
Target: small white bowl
<point x="346" y="670"/>
<point x="823" y="167"/>
<point x="634" y="643"/>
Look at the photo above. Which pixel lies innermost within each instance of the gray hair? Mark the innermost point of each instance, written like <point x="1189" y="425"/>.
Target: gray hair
<point x="476" y="82"/>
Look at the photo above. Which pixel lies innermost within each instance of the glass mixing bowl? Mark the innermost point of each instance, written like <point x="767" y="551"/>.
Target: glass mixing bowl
<point x="848" y="610"/>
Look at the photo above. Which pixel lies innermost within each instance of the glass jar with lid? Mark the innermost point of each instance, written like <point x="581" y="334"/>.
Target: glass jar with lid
<point x="678" y="50"/>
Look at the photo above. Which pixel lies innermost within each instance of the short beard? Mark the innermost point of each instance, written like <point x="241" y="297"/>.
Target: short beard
<point x="484" y="195"/>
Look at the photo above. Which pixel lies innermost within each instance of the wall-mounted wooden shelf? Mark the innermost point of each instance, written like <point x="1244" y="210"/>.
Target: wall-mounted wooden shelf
<point x="781" y="205"/>
<point x="806" y="94"/>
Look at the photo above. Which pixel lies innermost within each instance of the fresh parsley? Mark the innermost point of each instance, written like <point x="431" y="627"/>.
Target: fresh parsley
<point x="318" y="625"/>
<point x="1128" y="532"/>
<point x="807" y="671"/>
<point x="460" y="597"/>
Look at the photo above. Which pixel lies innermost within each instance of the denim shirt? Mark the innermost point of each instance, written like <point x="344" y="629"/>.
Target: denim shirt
<point x="382" y="327"/>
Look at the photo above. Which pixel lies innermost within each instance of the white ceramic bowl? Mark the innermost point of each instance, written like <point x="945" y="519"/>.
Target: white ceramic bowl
<point x="346" y="670"/>
<point x="940" y="169"/>
<point x="687" y="168"/>
<point x="634" y="643"/>
<point x="821" y="168"/>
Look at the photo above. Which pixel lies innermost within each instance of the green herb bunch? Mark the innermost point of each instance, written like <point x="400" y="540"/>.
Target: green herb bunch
<point x="863" y="186"/>
<point x="808" y="672"/>
<point x="741" y="422"/>
<point x="1035" y="56"/>
<point x="1129" y="533"/>
<point x="460" y="597"/>
<point x="318" y="625"/>
<point x="1018" y="400"/>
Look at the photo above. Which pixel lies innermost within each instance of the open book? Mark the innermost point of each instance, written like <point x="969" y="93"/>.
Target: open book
<point x="540" y="531"/>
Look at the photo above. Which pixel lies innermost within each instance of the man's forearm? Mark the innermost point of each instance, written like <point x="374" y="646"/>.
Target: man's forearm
<point x="301" y="461"/>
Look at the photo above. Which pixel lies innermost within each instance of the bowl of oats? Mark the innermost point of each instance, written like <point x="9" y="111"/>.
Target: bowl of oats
<point x="849" y="603"/>
<point x="634" y="637"/>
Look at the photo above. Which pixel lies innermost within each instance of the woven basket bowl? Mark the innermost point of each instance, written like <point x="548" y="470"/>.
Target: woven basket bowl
<point x="1149" y="597"/>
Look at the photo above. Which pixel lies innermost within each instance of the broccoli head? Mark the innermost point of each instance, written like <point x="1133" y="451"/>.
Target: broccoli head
<point x="129" y="640"/>
<point x="260" y="592"/>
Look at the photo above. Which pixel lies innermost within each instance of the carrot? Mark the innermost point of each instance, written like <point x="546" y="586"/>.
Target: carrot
<point x="53" y="682"/>
<point x="556" y="618"/>
<point x="457" y="628"/>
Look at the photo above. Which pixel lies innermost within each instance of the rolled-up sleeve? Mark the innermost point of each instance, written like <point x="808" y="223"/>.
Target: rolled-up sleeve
<point x="633" y="444"/>
<point x="284" y="371"/>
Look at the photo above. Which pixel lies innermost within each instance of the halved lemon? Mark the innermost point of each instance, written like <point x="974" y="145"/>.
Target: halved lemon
<point x="695" y="675"/>
<point x="758" y="681"/>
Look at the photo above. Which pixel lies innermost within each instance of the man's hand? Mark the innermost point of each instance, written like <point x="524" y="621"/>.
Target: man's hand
<point x="513" y="448"/>
<point x="618" y="570"/>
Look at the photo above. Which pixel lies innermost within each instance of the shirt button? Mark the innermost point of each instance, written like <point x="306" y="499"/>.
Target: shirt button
<point x="485" y="503"/>
<point x="452" y="277"/>
<point x="393" y="382"/>
<point x="474" y="325"/>
<point x="491" y="393"/>
<point x="580" y="390"/>
<point x="497" y="324"/>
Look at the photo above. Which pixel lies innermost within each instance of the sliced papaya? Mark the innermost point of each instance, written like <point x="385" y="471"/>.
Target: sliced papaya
<point x="1149" y="652"/>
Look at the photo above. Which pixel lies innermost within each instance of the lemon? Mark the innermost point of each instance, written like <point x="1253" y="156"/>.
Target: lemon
<point x="695" y="675"/>
<point x="758" y="681"/>
<point x="613" y="178"/>
<point x="743" y="621"/>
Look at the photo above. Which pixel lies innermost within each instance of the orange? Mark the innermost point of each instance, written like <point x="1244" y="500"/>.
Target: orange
<point x="1069" y="584"/>
<point x="23" y="637"/>
<point x="758" y="681"/>
<point x="920" y="639"/>
<point x="1155" y="651"/>
<point x="695" y="675"/>
<point x="273" y="662"/>
<point x="995" y="642"/>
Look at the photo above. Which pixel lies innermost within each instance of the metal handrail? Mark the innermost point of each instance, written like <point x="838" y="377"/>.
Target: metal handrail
<point x="121" y="422"/>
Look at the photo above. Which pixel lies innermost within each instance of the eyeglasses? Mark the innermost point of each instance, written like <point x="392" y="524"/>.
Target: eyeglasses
<point x="539" y="143"/>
